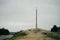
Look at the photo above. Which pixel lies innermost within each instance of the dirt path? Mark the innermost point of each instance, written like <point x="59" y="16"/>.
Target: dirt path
<point x="34" y="36"/>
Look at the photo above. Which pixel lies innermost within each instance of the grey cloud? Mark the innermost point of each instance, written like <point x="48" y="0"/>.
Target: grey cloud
<point x="23" y="11"/>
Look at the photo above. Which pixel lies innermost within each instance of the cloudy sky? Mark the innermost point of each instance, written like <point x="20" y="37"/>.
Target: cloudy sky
<point x="18" y="15"/>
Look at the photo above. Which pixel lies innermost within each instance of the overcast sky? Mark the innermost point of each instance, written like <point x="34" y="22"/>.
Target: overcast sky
<point x="16" y="15"/>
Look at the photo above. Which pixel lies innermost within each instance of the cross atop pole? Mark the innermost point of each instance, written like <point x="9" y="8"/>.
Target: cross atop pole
<point x="36" y="18"/>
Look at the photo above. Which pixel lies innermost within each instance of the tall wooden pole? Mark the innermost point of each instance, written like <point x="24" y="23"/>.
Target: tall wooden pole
<point x="36" y="18"/>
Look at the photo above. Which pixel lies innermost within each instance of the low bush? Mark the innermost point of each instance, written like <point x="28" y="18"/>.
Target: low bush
<point x="18" y="34"/>
<point x="54" y="37"/>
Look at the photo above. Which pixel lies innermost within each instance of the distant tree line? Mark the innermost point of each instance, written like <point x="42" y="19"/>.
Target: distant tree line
<point x="55" y="29"/>
<point x="4" y="31"/>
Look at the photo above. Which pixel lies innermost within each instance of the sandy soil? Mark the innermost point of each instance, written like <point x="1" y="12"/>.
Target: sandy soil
<point x="34" y="35"/>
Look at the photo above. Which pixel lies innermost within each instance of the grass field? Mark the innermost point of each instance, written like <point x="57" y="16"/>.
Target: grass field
<point x="54" y="37"/>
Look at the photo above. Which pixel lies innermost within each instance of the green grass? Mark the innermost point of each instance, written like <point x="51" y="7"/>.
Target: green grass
<point x="18" y="34"/>
<point x="54" y="37"/>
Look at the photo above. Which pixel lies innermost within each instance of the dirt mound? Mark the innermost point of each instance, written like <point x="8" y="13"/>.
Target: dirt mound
<point x="34" y="34"/>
